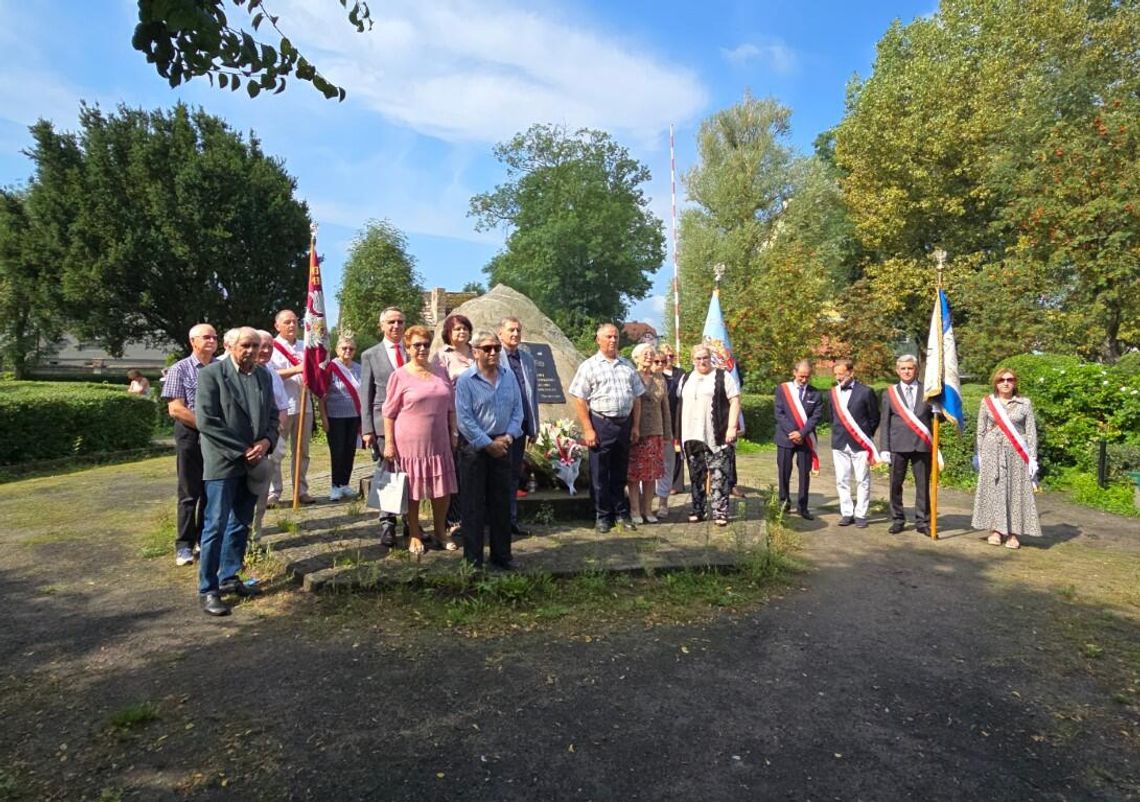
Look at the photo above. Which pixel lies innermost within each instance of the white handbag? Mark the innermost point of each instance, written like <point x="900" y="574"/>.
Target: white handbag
<point x="389" y="490"/>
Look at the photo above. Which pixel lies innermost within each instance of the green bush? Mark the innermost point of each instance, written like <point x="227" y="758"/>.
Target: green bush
<point x="46" y="420"/>
<point x="1128" y="365"/>
<point x="759" y="416"/>
<point x="1077" y="404"/>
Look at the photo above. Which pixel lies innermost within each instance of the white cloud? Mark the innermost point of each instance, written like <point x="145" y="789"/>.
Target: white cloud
<point x="463" y="71"/>
<point x="773" y="54"/>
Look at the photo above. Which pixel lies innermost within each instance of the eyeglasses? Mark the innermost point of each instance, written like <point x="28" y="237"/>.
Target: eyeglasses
<point x="490" y="349"/>
<point x="420" y="346"/>
<point x="660" y="361"/>
<point x="1007" y="380"/>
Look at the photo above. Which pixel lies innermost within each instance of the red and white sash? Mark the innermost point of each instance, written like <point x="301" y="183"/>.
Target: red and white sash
<point x="911" y="420"/>
<point x="1001" y="418"/>
<point x="351" y="383"/>
<point x="286" y="352"/>
<point x="854" y="429"/>
<point x="792" y="397"/>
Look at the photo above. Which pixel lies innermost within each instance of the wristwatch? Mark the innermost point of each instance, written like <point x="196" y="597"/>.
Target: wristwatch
<point x="509" y="439"/>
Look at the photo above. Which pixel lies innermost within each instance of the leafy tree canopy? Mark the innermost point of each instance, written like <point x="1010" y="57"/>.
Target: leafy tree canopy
<point x="187" y="39"/>
<point x="150" y="222"/>
<point x="582" y="240"/>
<point x="379" y="273"/>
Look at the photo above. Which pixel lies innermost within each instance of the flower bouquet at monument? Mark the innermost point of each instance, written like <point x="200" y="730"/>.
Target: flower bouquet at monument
<point x="559" y="444"/>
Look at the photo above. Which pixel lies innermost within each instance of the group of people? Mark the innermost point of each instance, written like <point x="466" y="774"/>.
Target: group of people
<point x="1006" y="448"/>
<point x="456" y="423"/>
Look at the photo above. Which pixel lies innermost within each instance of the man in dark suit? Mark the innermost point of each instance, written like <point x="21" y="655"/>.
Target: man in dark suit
<point x="854" y="419"/>
<point x="236" y="418"/>
<point x="519" y="360"/>
<point x="799" y="408"/>
<point x="376" y="366"/>
<point x="905" y="440"/>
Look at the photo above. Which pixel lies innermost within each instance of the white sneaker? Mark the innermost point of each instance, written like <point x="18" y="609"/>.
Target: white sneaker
<point x="651" y="518"/>
<point x="347" y="491"/>
<point x="183" y="557"/>
<point x="637" y="519"/>
<point x="334" y="493"/>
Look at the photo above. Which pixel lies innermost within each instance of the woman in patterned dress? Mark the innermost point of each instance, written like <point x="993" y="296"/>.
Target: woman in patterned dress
<point x="707" y="411"/>
<point x="1004" y="501"/>
<point x="420" y="434"/>
<point x="646" y="460"/>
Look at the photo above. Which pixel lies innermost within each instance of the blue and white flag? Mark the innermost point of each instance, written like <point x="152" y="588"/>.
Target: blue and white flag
<point x="715" y="337"/>
<point x="941" y="385"/>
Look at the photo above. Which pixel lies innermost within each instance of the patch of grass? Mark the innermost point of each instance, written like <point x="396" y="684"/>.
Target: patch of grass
<point x="287" y="524"/>
<point x="159" y="541"/>
<point x="134" y="716"/>
<point x="746" y="446"/>
<point x="1068" y="592"/>
<point x="1117" y="498"/>
<point x="544" y="515"/>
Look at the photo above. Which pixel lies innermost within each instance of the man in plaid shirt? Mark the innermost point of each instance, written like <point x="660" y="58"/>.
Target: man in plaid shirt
<point x="179" y="390"/>
<point x="607" y="397"/>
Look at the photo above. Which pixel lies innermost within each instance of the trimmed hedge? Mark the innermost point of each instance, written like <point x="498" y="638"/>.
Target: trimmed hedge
<point x="49" y="420"/>
<point x="759" y="417"/>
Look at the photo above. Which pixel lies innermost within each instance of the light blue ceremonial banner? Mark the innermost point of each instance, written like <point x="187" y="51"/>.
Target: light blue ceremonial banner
<point x="941" y="385"/>
<point x="716" y="338"/>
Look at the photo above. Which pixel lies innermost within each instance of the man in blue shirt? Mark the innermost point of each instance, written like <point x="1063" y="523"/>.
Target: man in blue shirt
<point x="489" y="411"/>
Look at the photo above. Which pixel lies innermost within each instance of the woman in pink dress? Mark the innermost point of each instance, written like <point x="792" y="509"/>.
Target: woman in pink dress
<point x="420" y="434"/>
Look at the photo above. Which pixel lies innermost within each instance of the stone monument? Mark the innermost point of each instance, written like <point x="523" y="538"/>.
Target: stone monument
<point x="556" y="358"/>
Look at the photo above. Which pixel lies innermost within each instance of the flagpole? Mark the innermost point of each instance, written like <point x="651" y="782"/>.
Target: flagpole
<point x="940" y="256"/>
<point x="676" y="274"/>
<point x="299" y="450"/>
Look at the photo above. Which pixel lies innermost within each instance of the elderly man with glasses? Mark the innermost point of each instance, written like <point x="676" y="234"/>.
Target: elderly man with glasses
<point x="180" y="391"/>
<point x="489" y="412"/>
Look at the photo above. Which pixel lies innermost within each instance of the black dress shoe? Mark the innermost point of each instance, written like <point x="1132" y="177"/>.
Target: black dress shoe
<point x="212" y="604"/>
<point x="237" y="588"/>
<point x="860" y="523"/>
<point x="518" y="531"/>
<point x="786" y="507"/>
<point x="508" y="566"/>
<point x="604" y="526"/>
<point x="922" y="530"/>
<point x="807" y="516"/>
<point x="388" y="538"/>
<point x="896" y="528"/>
<point x="846" y="520"/>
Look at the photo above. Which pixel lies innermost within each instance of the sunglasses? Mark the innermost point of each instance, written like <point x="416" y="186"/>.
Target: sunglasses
<point x="420" y="346"/>
<point x="1007" y="381"/>
<point x="490" y="349"/>
<point x="660" y="361"/>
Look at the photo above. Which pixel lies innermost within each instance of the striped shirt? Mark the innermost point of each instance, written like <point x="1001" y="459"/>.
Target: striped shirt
<point x="182" y="381"/>
<point x="608" y="386"/>
<point x="483" y="409"/>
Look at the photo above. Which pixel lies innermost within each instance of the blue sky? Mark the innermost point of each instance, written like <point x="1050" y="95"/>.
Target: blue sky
<point x="436" y="84"/>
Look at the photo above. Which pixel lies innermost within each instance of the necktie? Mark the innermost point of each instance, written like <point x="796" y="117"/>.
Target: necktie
<point x="910" y="396"/>
<point x="801" y="393"/>
<point x="399" y="357"/>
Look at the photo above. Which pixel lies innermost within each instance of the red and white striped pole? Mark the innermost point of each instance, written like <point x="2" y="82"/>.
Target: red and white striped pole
<point x="676" y="274"/>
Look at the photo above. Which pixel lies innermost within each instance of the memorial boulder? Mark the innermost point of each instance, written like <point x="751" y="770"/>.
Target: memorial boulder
<point x="555" y="357"/>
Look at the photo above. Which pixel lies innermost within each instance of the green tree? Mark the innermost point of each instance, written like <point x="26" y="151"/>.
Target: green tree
<point x="155" y="221"/>
<point x="1001" y="131"/>
<point x="775" y="220"/>
<point x="187" y="39"/>
<point x="378" y="273"/>
<point x="582" y="240"/>
<point x="28" y="305"/>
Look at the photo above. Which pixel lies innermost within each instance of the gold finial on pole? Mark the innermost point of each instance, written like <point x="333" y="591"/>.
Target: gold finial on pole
<point x="940" y="257"/>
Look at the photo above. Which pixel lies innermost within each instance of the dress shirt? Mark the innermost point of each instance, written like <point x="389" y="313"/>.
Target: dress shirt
<point x="397" y="362"/>
<point x="908" y="394"/>
<point x="483" y="408"/>
<point x="609" y="386"/>
<point x="280" y="362"/>
<point x="182" y="381"/>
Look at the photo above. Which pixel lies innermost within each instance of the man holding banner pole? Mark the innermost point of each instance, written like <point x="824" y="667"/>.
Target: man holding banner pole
<point x="288" y="360"/>
<point x="855" y="417"/>
<point x="905" y="439"/>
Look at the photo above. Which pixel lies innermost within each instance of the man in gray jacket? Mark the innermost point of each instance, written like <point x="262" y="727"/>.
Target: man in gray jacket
<point x="237" y="423"/>
<point x="904" y="439"/>
<point x="521" y="364"/>
<point x="376" y="366"/>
